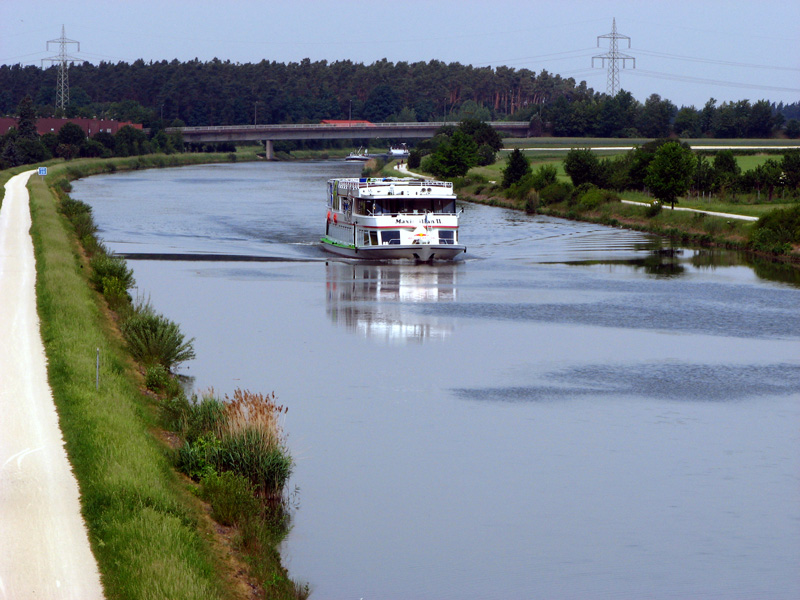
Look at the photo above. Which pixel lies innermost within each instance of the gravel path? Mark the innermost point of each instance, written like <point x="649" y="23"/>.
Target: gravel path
<point x="44" y="548"/>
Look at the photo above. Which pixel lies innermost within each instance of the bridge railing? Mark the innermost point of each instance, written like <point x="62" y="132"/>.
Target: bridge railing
<point x="328" y="127"/>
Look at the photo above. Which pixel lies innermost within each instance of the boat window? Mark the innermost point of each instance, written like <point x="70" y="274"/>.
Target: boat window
<point x="373" y="238"/>
<point x="444" y="205"/>
<point x="365" y="238"/>
<point x="390" y="237"/>
<point x="447" y="236"/>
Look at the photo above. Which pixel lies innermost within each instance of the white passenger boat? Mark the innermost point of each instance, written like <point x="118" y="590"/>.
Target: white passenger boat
<point x="359" y="155"/>
<point x="392" y="218"/>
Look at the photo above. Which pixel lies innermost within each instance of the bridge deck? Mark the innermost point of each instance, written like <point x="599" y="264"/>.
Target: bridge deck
<point x="240" y="133"/>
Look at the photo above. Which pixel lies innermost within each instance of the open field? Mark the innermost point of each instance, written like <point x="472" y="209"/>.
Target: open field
<point x="584" y="142"/>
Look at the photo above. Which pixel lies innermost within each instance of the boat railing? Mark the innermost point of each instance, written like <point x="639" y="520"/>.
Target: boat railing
<point x="429" y="213"/>
<point x="366" y="182"/>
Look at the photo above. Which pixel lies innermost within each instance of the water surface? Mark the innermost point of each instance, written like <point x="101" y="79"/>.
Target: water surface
<point x="572" y="411"/>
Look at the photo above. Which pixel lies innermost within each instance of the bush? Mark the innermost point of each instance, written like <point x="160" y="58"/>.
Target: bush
<point x="197" y="458"/>
<point x="594" y="197"/>
<point x="83" y="224"/>
<point x="90" y="244"/>
<point x="555" y="193"/>
<point x="110" y="266"/>
<point x="69" y="207"/>
<point x="777" y="231"/>
<point x="154" y="339"/>
<point x="65" y="186"/>
<point x="115" y="292"/>
<point x="156" y="378"/>
<point x="543" y="176"/>
<point x="653" y="210"/>
<point x="583" y="166"/>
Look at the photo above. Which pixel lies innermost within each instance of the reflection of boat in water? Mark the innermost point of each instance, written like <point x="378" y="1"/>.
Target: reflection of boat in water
<point x="378" y="300"/>
<point x="359" y="155"/>
<point x="392" y="218"/>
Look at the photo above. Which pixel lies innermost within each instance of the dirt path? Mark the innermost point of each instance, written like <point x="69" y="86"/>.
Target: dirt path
<point x="44" y="548"/>
<point x="697" y="210"/>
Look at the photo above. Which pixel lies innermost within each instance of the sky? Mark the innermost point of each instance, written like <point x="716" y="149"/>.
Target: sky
<point x="685" y="51"/>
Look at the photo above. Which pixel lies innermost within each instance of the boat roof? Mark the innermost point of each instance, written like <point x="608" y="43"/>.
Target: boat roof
<point x="380" y="186"/>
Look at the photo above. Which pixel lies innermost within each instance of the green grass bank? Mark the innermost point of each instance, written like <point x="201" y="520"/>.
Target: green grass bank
<point x="682" y="227"/>
<point x="151" y="535"/>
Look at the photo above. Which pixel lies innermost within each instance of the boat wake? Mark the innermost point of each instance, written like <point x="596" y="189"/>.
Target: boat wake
<point x="200" y="257"/>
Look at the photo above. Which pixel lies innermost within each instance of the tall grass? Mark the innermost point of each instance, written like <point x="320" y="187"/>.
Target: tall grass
<point x="242" y="435"/>
<point x="252" y="442"/>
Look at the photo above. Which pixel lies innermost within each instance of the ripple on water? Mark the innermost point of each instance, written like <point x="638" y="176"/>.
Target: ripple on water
<point x="666" y="381"/>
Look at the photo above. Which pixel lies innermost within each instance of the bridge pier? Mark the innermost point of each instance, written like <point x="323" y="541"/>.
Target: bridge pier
<point x="270" y="151"/>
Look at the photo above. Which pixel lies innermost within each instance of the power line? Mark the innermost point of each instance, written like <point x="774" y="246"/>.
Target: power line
<point x="688" y="79"/>
<point x="613" y="56"/>
<point x="715" y="62"/>
<point x="62" y="92"/>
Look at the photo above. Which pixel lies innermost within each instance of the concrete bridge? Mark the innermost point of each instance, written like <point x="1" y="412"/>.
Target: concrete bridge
<point x="270" y="133"/>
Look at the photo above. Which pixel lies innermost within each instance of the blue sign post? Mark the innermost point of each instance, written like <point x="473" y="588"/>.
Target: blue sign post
<point x="42" y="171"/>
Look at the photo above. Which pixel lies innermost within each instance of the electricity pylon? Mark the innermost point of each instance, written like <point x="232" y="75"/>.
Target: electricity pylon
<point x="62" y="90"/>
<point x="613" y="56"/>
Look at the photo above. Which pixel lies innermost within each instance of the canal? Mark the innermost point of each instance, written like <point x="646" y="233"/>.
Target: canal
<point x="572" y="411"/>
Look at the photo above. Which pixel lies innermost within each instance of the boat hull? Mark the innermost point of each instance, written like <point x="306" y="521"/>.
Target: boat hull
<point x="419" y="252"/>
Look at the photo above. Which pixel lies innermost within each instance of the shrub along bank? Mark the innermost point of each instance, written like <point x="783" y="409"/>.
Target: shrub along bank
<point x="151" y="538"/>
<point x="776" y="234"/>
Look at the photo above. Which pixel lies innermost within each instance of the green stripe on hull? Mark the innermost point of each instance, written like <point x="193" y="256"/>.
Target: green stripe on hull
<point x="332" y="242"/>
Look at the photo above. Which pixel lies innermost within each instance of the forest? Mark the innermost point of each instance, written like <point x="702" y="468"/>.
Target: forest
<point x="219" y="92"/>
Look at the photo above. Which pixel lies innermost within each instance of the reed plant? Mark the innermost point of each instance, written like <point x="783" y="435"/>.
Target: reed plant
<point x="249" y="440"/>
<point x="252" y="442"/>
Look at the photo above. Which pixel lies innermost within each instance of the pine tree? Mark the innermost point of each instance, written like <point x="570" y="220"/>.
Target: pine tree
<point x="517" y="167"/>
<point x="26" y="119"/>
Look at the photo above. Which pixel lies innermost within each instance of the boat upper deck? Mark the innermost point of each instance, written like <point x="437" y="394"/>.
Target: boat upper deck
<point x="391" y="186"/>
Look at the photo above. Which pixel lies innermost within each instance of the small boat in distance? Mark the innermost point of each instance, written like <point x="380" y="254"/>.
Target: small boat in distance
<point x="392" y="218"/>
<point x="400" y="151"/>
<point x="359" y="155"/>
<point x="394" y="152"/>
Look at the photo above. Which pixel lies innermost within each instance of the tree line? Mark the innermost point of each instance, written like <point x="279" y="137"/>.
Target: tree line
<point x="216" y="92"/>
<point x="23" y="145"/>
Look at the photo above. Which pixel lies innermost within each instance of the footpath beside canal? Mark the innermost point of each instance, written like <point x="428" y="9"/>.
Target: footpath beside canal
<point x="46" y="551"/>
